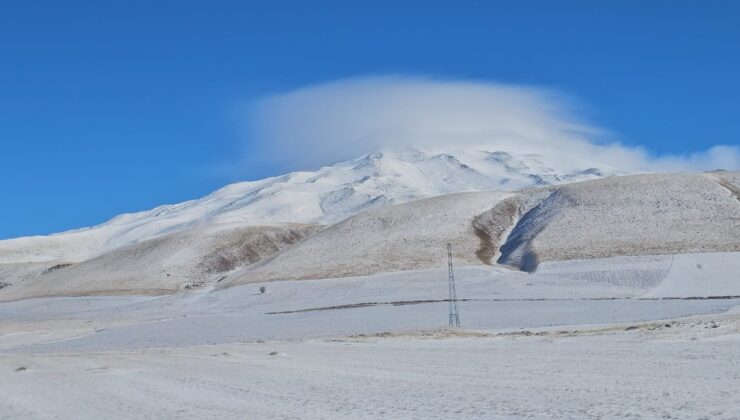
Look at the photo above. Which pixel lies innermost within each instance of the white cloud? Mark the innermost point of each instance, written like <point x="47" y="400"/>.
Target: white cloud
<point x="340" y="120"/>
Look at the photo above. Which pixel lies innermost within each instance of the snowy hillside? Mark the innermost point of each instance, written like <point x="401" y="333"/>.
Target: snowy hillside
<point x="325" y="196"/>
<point x="651" y="214"/>
<point x="393" y="238"/>
<point x="182" y="260"/>
<point x="631" y="215"/>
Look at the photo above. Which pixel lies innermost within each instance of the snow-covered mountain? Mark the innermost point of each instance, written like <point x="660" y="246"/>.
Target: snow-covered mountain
<point x="325" y="196"/>
<point x="621" y="216"/>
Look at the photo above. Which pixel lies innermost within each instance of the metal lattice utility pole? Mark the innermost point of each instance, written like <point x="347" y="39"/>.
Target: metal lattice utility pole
<point x="454" y="317"/>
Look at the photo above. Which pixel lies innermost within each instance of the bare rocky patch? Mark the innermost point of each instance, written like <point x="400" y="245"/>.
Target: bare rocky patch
<point x="55" y="268"/>
<point x="491" y="226"/>
<point x="249" y="248"/>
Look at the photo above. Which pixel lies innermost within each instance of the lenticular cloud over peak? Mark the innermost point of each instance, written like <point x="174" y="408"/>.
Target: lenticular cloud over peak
<point x="336" y="121"/>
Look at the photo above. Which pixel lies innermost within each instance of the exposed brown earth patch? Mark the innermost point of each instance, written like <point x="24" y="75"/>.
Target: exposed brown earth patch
<point x="490" y="227"/>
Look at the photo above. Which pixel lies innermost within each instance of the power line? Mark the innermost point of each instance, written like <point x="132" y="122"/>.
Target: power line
<point x="454" y="317"/>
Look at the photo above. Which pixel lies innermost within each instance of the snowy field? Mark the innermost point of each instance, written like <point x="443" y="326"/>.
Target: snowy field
<point x="652" y="336"/>
<point x="689" y="371"/>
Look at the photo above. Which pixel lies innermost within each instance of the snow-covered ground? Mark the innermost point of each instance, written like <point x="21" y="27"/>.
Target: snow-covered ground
<point x="635" y="336"/>
<point x="690" y="370"/>
<point x="624" y="289"/>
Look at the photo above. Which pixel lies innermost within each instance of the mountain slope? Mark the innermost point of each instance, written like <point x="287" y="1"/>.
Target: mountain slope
<point x="629" y="215"/>
<point x="392" y="238"/>
<point x="183" y="260"/>
<point x="325" y="196"/>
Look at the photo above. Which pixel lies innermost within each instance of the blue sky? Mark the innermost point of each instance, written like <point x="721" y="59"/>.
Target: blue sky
<point x="118" y="106"/>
